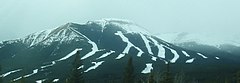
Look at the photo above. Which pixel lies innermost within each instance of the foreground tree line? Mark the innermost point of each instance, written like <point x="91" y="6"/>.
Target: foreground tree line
<point x="77" y="75"/>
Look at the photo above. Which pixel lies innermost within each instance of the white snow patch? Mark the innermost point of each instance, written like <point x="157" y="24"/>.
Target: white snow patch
<point x="148" y="68"/>
<point x="127" y="25"/>
<point x="94" y="50"/>
<point x="176" y="56"/>
<point x="70" y="54"/>
<point x="165" y="61"/>
<point x="53" y="63"/>
<point x="202" y="55"/>
<point x="80" y="67"/>
<point x="106" y="54"/>
<point x="154" y="58"/>
<point x="36" y="37"/>
<point x="129" y="45"/>
<point x="40" y="81"/>
<point x="35" y="71"/>
<point x="190" y="60"/>
<point x="120" y="56"/>
<point x="102" y="23"/>
<point x="96" y="64"/>
<point x="17" y="79"/>
<point x="55" y="80"/>
<point x="146" y="41"/>
<point x="8" y="73"/>
<point x="185" y="53"/>
<point x="161" y="50"/>
<point x="140" y="52"/>
<point x="94" y="46"/>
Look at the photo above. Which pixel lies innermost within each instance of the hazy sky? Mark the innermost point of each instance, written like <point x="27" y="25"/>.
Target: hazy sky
<point x="19" y="18"/>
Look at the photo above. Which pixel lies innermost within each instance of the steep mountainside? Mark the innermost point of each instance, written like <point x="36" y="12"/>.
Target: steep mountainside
<point x="105" y="47"/>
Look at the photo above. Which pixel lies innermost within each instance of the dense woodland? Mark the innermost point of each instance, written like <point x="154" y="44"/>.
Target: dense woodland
<point x="77" y="76"/>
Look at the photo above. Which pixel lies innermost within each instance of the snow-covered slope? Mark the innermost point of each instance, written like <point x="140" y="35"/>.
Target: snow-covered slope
<point x="63" y="34"/>
<point x="102" y="44"/>
<point x="126" y="25"/>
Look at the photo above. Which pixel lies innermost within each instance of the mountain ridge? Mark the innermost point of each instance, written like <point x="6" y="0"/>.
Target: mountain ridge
<point x="101" y="48"/>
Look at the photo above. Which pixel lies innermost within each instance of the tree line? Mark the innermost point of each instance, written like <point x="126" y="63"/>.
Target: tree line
<point x="77" y="75"/>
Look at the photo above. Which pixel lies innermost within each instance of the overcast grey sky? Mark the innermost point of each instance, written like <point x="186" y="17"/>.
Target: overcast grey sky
<point x="22" y="17"/>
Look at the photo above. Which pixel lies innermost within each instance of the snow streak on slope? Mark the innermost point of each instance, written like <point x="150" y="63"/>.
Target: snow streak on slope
<point x="146" y="41"/>
<point x="190" y="60"/>
<point x="148" y="68"/>
<point x="62" y="34"/>
<point x="80" y="67"/>
<point x="94" y="50"/>
<point x="55" y="80"/>
<point x="52" y="63"/>
<point x="40" y="81"/>
<point x="161" y="50"/>
<point x="202" y="55"/>
<point x="176" y="56"/>
<point x="185" y="53"/>
<point x="154" y="58"/>
<point x="94" y="45"/>
<point x="96" y="64"/>
<point x="35" y="71"/>
<point x="36" y="37"/>
<point x="106" y="54"/>
<point x="129" y="45"/>
<point x="70" y="54"/>
<point x="8" y="73"/>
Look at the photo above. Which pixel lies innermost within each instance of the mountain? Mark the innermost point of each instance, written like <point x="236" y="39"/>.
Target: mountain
<point x="227" y="43"/>
<point x="105" y="46"/>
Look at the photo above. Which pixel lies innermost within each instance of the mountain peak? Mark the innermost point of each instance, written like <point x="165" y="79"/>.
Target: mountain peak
<point x="129" y="26"/>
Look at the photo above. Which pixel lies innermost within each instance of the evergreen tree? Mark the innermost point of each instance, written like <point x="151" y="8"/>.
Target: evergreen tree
<point x="76" y="72"/>
<point x="180" y="78"/>
<point x="151" y="78"/>
<point x="166" y="77"/>
<point x="129" y="72"/>
<point x="0" y="76"/>
<point x="238" y="77"/>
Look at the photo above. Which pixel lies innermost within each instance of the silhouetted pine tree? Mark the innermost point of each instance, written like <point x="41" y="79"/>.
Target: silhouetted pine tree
<point x="76" y="72"/>
<point x="151" y="78"/>
<point x="0" y="76"/>
<point x="129" y="72"/>
<point x="166" y="77"/>
<point x="238" y="77"/>
<point x="180" y="78"/>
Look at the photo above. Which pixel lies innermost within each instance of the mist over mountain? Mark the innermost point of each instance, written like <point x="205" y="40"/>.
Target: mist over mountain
<point x="229" y="43"/>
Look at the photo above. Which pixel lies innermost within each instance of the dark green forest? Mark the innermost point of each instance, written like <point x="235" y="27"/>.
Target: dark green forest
<point x="76" y="75"/>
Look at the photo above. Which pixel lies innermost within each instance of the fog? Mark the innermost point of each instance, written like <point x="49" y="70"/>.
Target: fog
<point x="19" y="18"/>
